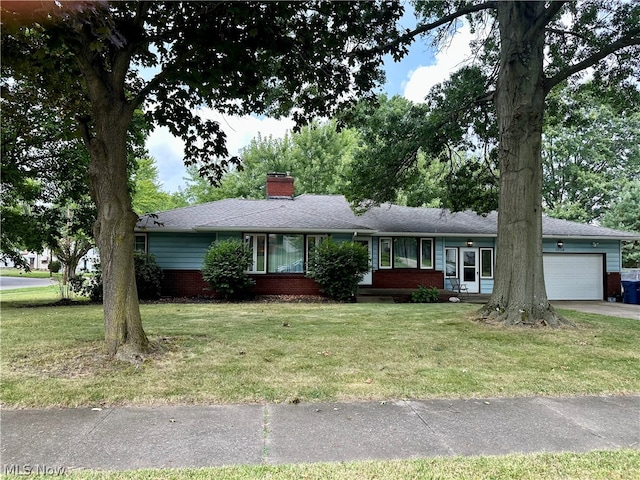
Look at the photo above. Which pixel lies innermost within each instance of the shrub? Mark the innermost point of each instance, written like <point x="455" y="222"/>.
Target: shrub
<point x="225" y="268"/>
<point x="54" y="266"/>
<point x="148" y="276"/>
<point x="425" y="295"/>
<point x="338" y="268"/>
<point x="90" y="286"/>
<point x="79" y="285"/>
<point x="148" y="279"/>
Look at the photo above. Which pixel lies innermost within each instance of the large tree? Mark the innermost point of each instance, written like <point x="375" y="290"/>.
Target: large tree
<point x="270" y="58"/>
<point x="530" y="48"/>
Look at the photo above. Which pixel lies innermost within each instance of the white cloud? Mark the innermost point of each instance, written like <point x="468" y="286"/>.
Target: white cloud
<point x="168" y="150"/>
<point x="449" y="59"/>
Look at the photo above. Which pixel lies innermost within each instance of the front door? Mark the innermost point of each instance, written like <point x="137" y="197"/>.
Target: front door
<point x="368" y="277"/>
<point x="469" y="271"/>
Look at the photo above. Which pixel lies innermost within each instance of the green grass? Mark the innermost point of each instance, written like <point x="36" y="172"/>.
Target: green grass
<point x="605" y="465"/>
<point x="29" y="296"/>
<point x="15" y="272"/>
<point x="270" y="352"/>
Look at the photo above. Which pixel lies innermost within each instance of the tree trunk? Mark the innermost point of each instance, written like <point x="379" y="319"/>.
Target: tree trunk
<point x="519" y="295"/>
<point x="114" y="227"/>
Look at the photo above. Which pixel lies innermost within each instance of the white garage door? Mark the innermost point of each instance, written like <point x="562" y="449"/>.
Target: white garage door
<point x="573" y="277"/>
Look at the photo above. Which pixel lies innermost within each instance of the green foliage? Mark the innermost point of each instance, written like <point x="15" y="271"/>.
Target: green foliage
<point x="338" y="268"/>
<point x="625" y="215"/>
<point x="317" y="156"/>
<point x="80" y="286"/>
<point x="285" y="57"/>
<point x="148" y="276"/>
<point x="147" y="195"/>
<point x="225" y="268"/>
<point x="148" y="280"/>
<point x="409" y="153"/>
<point x="88" y="286"/>
<point x="591" y="149"/>
<point x="44" y="167"/>
<point x="54" y="266"/>
<point x="425" y="295"/>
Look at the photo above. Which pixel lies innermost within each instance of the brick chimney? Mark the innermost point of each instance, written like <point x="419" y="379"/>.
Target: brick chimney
<point x="279" y="186"/>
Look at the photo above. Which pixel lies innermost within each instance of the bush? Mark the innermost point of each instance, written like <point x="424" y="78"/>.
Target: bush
<point x="338" y="268"/>
<point x="54" y="266"/>
<point x="225" y="268"/>
<point x="90" y="286"/>
<point x="425" y="295"/>
<point x="148" y="279"/>
<point x="148" y="276"/>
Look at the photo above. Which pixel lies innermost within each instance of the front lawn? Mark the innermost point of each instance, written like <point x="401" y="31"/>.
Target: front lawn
<point x="286" y="352"/>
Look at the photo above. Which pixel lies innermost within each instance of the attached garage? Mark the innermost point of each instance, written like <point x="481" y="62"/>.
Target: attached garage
<point x="574" y="276"/>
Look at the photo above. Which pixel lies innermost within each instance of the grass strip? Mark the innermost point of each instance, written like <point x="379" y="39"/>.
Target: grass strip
<point x="606" y="465"/>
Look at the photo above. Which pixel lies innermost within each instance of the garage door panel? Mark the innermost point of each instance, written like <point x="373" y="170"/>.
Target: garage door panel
<point x="573" y="276"/>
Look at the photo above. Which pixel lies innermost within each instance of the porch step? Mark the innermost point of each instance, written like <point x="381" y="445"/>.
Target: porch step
<point x="374" y="299"/>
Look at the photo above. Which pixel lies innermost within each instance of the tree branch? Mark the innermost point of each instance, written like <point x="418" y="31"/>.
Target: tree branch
<point x="543" y="20"/>
<point x="408" y="36"/>
<point x="632" y="38"/>
<point x="558" y="31"/>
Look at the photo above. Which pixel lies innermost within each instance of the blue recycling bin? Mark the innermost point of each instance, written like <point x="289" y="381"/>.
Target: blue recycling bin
<point x="631" y="292"/>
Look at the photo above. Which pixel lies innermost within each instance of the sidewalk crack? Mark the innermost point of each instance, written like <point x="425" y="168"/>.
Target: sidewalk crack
<point x="77" y="445"/>
<point x="431" y="429"/>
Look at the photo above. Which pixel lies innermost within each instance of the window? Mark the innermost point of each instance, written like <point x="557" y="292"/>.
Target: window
<point x="140" y="243"/>
<point x="385" y="253"/>
<point x="257" y="245"/>
<point x="486" y="262"/>
<point x="313" y="241"/>
<point x="426" y="253"/>
<point x="405" y="252"/>
<point x="451" y="260"/>
<point x="286" y="253"/>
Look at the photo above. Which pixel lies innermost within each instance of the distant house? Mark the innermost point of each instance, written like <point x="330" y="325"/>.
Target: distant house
<point x="41" y="260"/>
<point x="35" y="260"/>
<point x="407" y="246"/>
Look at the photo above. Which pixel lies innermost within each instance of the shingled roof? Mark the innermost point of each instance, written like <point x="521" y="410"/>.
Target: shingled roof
<point x="332" y="213"/>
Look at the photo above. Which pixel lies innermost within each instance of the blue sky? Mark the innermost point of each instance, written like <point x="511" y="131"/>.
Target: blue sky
<point x="412" y="78"/>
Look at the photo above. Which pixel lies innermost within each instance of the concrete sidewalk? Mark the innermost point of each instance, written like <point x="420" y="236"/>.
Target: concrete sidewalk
<point x="198" y="436"/>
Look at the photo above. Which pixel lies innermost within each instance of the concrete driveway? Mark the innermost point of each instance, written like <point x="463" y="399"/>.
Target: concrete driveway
<point x="624" y="310"/>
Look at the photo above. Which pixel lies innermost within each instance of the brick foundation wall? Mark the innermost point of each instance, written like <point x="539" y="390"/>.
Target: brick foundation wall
<point x="408" y="278"/>
<point x="189" y="283"/>
<point x="290" y="284"/>
<point x="184" y="283"/>
<point x="614" y="284"/>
